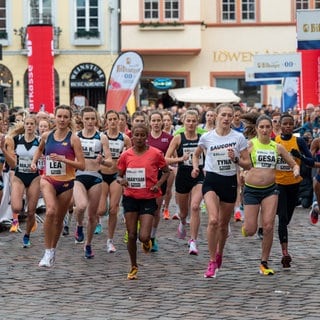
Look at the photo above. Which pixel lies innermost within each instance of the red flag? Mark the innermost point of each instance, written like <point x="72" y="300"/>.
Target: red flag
<point x="40" y="68"/>
<point x="124" y="76"/>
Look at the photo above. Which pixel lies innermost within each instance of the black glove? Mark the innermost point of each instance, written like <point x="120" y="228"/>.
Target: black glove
<point x="297" y="154"/>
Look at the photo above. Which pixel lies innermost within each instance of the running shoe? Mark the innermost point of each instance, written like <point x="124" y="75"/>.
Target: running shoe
<point x="243" y="231"/>
<point x="133" y="274"/>
<point x="125" y="237"/>
<point x="35" y="226"/>
<point x="155" y="247"/>
<point x="176" y="217"/>
<point x="26" y="241"/>
<point x="193" y="250"/>
<point x="218" y="260"/>
<point x="237" y="216"/>
<point x="146" y="246"/>
<point x="98" y="229"/>
<point x="212" y="270"/>
<point x="314" y="213"/>
<point x="265" y="270"/>
<point x="166" y="214"/>
<point x="181" y="231"/>
<point x="79" y="236"/>
<point x="88" y="253"/>
<point x="48" y="259"/>
<point x="286" y="260"/>
<point x="65" y="231"/>
<point x="110" y="246"/>
<point x="259" y="234"/>
<point x="15" y="226"/>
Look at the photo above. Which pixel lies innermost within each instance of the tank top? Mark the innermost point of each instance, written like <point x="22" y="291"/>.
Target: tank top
<point x="284" y="174"/>
<point x="91" y="146"/>
<point x="116" y="145"/>
<point x="59" y="171"/>
<point x="188" y="146"/>
<point x="25" y="151"/>
<point x="263" y="155"/>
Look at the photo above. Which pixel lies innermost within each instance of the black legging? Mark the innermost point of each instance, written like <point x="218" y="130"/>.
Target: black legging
<point x="286" y="204"/>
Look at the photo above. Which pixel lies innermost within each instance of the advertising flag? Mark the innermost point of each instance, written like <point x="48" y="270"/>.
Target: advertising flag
<point x="123" y="79"/>
<point x="40" y="68"/>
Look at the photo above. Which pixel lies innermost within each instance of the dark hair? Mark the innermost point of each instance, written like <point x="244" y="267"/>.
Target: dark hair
<point x="140" y="126"/>
<point x="263" y="117"/>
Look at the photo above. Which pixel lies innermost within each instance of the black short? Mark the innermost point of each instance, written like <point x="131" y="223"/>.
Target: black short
<point x="254" y="196"/>
<point x="109" y="178"/>
<point x="142" y="206"/>
<point x="225" y="187"/>
<point x="26" y="178"/>
<point x="184" y="183"/>
<point x="88" y="181"/>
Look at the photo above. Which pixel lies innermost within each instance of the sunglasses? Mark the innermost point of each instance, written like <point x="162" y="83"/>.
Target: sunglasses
<point x="275" y="121"/>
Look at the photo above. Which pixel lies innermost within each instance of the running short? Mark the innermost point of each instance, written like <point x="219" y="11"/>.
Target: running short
<point x="60" y="186"/>
<point x="225" y="187"/>
<point x="109" y="178"/>
<point x="142" y="206"/>
<point x="253" y="196"/>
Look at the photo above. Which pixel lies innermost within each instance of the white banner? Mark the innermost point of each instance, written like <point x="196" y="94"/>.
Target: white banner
<point x="277" y="65"/>
<point x="308" y="29"/>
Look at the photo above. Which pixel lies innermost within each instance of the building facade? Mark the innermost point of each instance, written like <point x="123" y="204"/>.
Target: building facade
<point x="86" y="43"/>
<point x="208" y="42"/>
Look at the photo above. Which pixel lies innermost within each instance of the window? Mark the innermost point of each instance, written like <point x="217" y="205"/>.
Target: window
<point x="238" y="10"/>
<point x="302" y="4"/>
<point x="151" y="9"/>
<point x="162" y="10"/>
<point x="41" y="12"/>
<point x="87" y="19"/>
<point x="3" y="20"/>
<point x="171" y="10"/>
<point x="229" y="10"/>
<point x="317" y="4"/>
<point x="248" y="10"/>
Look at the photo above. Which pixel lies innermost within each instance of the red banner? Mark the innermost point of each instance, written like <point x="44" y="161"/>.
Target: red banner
<point x="124" y="76"/>
<point x="40" y="68"/>
<point x="309" y="88"/>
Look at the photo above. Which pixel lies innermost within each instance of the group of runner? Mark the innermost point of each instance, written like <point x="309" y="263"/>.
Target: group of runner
<point x="89" y="163"/>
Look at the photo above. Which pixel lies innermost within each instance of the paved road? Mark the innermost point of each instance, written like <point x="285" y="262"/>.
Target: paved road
<point x="170" y="284"/>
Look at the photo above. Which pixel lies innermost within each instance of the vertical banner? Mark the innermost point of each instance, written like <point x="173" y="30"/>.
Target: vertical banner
<point x="309" y="90"/>
<point x="308" y="44"/>
<point x="289" y="97"/>
<point x="124" y="76"/>
<point x="40" y="68"/>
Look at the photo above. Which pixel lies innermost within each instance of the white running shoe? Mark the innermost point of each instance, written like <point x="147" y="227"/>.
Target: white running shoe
<point x="193" y="247"/>
<point x="48" y="258"/>
<point x="110" y="246"/>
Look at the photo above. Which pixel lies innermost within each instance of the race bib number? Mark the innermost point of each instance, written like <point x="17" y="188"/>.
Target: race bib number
<point x="282" y="165"/>
<point x="88" y="148"/>
<point x="24" y="165"/>
<point x="136" y="178"/>
<point x="266" y="159"/>
<point x="222" y="163"/>
<point x="115" y="148"/>
<point x="55" y="168"/>
<point x="191" y="151"/>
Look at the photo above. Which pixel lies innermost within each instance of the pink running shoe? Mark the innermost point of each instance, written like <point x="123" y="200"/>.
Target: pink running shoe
<point x="218" y="260"/>
<point x="212" y="270"/>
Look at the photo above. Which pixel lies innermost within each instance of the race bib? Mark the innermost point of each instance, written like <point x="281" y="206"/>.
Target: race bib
<point x="222" y="163"/>
<point x="24" y="165"/>
<point x="282" y="165"/>
<point x="136" y="178"/>
<point x="55" y="168"/>
<point x="191" y="151"/>
<point x="88" y="148"/>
